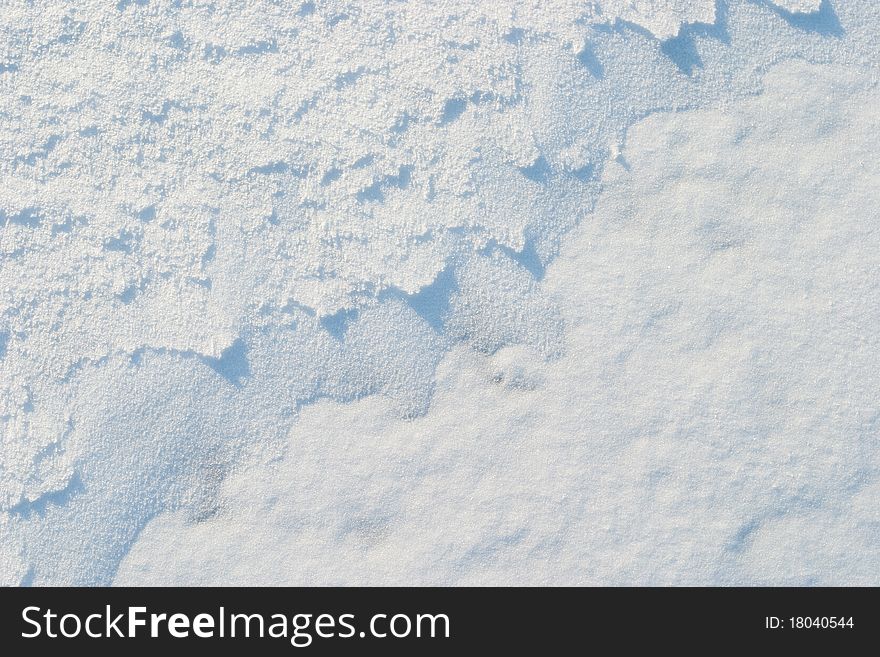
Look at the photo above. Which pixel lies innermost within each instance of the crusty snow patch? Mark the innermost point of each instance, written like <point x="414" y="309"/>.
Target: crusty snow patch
<point x="802" y="6"/>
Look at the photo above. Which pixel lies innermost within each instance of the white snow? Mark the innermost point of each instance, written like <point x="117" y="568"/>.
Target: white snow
<point x="714" y="418"/>
<point x="343" y="262"/>
<point x="802" y="6"/>
<point x="663" y="18"/>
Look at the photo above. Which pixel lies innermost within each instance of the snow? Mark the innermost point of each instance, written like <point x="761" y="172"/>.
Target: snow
<point x="663" y="18"/>
<point x="799" y="6"/>
<point x="713" y="420"/>
<point x="449" y="292"/>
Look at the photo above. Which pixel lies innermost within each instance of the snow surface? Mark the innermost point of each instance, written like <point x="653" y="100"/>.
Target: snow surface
<point x="443" y="292"/>
<point x="801" y="6"/>
<point x="714" y="418"/>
